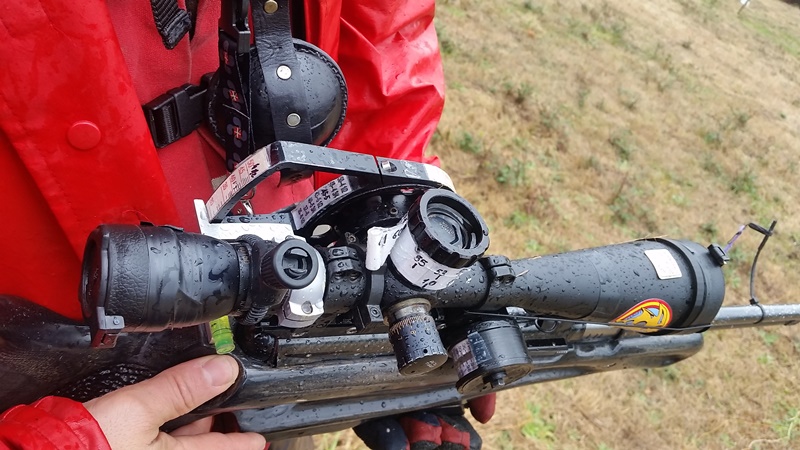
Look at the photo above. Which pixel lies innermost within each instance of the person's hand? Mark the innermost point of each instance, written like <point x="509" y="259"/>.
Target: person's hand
<point x="130" y="417"/>
<point x="428" y="430"/>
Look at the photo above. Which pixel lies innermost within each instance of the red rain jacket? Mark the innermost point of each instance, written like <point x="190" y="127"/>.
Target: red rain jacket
<point x="75" y="150"/>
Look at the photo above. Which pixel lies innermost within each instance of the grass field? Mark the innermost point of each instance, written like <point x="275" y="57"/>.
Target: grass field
<point x="571" y="125"/>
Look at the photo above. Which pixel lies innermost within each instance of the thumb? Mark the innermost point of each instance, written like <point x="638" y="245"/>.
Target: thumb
<point x="140" y="409"/>
<point x="180" y="389"/>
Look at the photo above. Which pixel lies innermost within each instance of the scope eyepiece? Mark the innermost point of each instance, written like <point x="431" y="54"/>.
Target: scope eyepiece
<point x="148" y="278"/>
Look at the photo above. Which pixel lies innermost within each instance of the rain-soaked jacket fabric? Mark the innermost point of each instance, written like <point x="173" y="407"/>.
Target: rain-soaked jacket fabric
<point x="51" y="423"/>
<point x="75" y="150"/>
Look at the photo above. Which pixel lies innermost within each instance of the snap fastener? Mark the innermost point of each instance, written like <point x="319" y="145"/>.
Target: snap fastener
<point x="83" y="135"/>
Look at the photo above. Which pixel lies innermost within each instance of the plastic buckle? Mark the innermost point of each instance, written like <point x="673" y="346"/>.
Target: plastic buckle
<point x="175" y="114"/>
<point x="234" y="21"/>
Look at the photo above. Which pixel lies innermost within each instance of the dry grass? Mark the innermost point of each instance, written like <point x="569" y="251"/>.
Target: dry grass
<point x="580" y="124"/>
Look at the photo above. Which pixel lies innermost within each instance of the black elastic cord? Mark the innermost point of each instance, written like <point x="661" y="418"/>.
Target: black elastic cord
<point x="171" y="21"/>
<point x="767" y="234"/>
<point x="641" y="328"/>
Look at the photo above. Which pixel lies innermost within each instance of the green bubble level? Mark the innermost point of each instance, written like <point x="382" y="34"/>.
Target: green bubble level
<point x="221" y="335"/>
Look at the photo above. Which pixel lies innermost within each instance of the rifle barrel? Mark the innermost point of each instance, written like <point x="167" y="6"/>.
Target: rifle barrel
<point x="756" y="316"/>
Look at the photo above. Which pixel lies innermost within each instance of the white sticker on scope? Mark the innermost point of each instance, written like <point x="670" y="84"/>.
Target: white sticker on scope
<point x="321" y="198"/>
<point x="664" y="263"/>
<point x="465" y="360"/>
<point x="418" y="267"/>
<point x="380" y="242"/>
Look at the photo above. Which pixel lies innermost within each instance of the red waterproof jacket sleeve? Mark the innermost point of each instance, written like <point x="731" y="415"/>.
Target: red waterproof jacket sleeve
<point x="389" y="53"/>
<point x="51" y="423"/>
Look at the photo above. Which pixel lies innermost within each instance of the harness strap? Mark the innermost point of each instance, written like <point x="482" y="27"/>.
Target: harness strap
<point x="230" y="116"/>
<point x="281" y="71"/>
<point x="172" y="22"/>
<point x="262" y="85"/>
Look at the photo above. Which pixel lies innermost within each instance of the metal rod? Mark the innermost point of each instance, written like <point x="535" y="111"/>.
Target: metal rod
<point x="752" y="315"/>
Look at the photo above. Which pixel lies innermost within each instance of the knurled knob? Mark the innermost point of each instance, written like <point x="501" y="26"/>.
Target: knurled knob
<point x="417" y="344"/>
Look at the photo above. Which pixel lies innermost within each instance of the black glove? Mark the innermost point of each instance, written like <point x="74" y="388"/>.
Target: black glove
<point x="430" y="430"/>
<point x="420" y="431"/>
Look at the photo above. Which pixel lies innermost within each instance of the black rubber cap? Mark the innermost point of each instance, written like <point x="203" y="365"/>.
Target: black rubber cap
<point x="292" y="264"/>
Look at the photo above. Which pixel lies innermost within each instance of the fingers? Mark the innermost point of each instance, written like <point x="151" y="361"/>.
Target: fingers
<point x="180" y="389"/>
<point x="130" y="417"/>
<point x="458" y="433"/>
<point x="211" y="441"/>
<point x="482" y="408"/>
<point x="420" y="430"/>
<point x="197" y="427"/>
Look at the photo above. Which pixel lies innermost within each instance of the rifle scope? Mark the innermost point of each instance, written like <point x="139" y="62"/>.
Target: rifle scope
<point x="148" y="279"/>
<point x="650" y="283"/>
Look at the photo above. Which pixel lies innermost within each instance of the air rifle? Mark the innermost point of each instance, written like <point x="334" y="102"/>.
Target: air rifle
<point x="372" y="297"/>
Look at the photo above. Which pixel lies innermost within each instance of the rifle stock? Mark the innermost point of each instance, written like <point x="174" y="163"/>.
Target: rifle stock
<point x="323" y="384"/>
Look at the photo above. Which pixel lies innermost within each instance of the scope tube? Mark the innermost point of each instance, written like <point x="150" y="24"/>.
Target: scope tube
<point x="678" y="281"/>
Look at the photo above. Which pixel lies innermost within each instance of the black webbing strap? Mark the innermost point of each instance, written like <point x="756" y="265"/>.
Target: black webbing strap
<point x="172" y="22"/>
<point x="232" y="111"/>
<point x="180" y="111"/>
<point x="278" y="59"/>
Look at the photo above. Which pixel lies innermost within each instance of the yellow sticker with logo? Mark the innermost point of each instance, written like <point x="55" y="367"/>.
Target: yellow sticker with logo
<point x="651" y="313"/>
